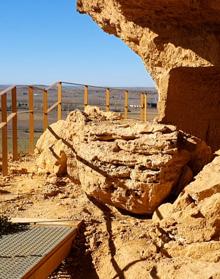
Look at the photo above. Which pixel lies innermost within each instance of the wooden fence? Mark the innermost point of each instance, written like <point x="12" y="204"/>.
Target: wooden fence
<point x="13" y="116"/>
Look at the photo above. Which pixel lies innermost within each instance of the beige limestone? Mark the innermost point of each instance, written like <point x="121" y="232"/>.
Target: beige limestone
<point x="184" y="244"/>
<point x="129" y="164"/>
<point x="179" y="43"/>
<point x="183" y="241"/>
<point x="197" y="210"/>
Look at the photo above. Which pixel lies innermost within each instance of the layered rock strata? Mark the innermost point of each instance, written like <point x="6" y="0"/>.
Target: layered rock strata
<point x="179" y="43"/>
<point x="129" y="164"/>
<point x="182" y="241"/>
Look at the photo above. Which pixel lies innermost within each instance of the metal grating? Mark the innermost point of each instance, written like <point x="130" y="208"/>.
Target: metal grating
<point x="21" y="251"/>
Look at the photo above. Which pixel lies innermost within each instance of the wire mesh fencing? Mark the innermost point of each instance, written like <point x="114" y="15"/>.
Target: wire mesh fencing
<point x="26" y="111"/>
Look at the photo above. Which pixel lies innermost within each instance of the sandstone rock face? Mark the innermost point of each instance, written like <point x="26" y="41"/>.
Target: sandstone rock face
<point x="183" y="241"/>
<point x="55" y="160"/>
<point x="179" y="42"/>
<point x="193" y="225"/>
<point x="197" y="208"/>
<point x="126" y="163"/>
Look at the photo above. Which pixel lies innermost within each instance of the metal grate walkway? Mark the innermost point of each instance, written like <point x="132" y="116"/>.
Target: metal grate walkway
<point x="21" y="254"/>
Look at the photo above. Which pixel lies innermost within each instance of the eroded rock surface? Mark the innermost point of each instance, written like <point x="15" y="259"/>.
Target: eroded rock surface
<point x="183" y="241"/>
<point x="179" y="43"/>
<point x="126" y="163"/>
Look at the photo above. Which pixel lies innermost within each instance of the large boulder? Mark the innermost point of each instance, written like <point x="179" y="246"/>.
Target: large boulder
<point x="129" y="164"/>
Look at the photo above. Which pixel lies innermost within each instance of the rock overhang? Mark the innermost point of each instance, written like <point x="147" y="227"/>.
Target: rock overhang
<point x="169" y="36"/>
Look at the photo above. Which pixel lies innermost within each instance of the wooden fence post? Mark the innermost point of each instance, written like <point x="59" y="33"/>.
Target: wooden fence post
<point x="142" y="107"/>
<point x="59" y="107"/>
<point x="31" y="119"/>
<point x="86" y="96"/>
<point x="126" y="105"/>
<point x="45" y="108"/>
<point x="4" y="136"/>
<point x="145" y="107"/>
<point x="14" y="123"/>
<point x="107" y="99"/>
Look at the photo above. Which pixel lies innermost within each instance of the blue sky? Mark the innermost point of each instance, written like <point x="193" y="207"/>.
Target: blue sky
<point x="43" y="41"/>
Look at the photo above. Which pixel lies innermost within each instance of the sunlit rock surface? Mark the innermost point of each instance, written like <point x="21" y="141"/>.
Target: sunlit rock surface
<point x="179" y="43"/>
<point x="127" y="163"/>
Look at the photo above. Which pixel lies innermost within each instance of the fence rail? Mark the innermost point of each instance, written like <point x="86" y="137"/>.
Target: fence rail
<point x="13" y="116"/>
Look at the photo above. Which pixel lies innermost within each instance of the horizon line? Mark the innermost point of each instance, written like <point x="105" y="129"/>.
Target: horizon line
<point x="77" y="84"/>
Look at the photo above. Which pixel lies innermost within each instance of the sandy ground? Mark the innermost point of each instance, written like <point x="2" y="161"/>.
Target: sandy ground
<point x="111" y="244"/>
<point x="25" y="193"/>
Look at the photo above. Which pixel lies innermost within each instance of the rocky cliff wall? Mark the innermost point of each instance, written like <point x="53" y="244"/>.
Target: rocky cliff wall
<point x="179" y="42"/>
